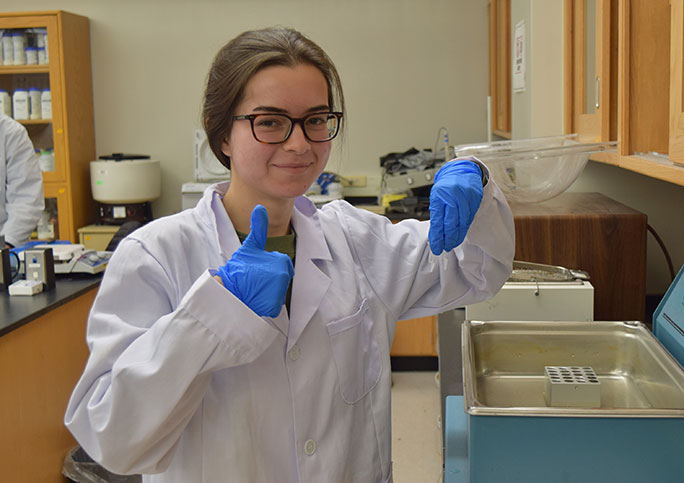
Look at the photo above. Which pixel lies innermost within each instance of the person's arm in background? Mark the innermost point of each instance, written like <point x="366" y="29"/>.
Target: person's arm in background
<point x="24" y="201"/>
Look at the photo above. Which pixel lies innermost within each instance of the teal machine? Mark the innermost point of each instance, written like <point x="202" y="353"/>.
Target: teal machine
<point x="569" y="402"/>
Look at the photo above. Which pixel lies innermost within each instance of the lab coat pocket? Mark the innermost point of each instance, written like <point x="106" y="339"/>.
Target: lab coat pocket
<point x="356" y="354"/>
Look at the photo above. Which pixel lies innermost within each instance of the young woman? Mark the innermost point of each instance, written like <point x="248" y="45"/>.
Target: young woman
<point x="247" y="339"/>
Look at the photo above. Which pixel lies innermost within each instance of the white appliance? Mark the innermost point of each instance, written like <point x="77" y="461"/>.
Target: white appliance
<point x="538" y="292"/>
<point x="120" y="179"/>
<point x="208" y="170"/>
<point x="191" y="193"/>
<point x="207" y="166"/>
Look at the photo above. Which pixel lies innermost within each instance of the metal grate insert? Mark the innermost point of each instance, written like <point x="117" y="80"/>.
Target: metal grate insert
<point x="576" y="386"/>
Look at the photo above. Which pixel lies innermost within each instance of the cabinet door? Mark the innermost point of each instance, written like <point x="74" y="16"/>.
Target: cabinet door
<point x="591" y="39"/>
<point x="44" y="134"/>
<point x="500" y="66"/>
<point x="57" y="205"/>
<point x="676" y="82"/>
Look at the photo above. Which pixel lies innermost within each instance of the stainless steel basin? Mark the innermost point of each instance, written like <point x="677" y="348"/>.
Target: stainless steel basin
<point x="503" y="368"/>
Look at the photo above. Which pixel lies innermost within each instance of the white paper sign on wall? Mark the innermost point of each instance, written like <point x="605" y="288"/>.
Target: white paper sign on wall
<point x="519" y="57"/>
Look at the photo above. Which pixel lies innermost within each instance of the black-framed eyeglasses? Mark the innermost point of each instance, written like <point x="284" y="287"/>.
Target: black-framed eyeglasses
<point x="270" y="128"/>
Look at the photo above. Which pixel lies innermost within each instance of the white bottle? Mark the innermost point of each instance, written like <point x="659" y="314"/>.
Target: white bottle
<point x="18" y="47"/>
<point x="34" y="103"/>
<point x="5" y="103"/>
<point x="45" y="41"/>
<point x="40" y="37"/>
<point x="42" y="58"/>
<point x="20" y="104"/>
<point x="7" y="48"/>
<point x="31" y="56"/>
<point x="46" y="104"/>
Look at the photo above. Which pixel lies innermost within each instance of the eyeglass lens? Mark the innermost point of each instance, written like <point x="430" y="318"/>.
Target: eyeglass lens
<point x="275" y="128"/>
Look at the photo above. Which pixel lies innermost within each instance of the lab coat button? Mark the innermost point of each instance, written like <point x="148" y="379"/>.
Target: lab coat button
<point x="295" y="353"/>
<point x="310" y="447"/>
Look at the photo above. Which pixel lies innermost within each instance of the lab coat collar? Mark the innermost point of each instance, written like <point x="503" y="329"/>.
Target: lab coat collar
<point x="216" y="221"/>
<point x="310" y="283"/>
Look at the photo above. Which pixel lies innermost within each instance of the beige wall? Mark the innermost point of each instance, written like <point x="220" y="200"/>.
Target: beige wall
<point x="538" y="111"/>
<point x="407" y="68"/>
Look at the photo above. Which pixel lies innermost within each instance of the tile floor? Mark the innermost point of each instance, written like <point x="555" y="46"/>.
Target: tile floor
<point x="416" y="434"/>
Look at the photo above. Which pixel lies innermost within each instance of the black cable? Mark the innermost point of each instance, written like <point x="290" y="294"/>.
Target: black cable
<point x="664" y="249"/>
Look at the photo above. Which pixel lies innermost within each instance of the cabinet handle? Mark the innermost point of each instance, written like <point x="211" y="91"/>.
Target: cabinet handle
<point x="597" y="90"/>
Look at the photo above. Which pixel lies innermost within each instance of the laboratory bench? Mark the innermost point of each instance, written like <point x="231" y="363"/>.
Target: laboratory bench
<point x="42" y="354"/>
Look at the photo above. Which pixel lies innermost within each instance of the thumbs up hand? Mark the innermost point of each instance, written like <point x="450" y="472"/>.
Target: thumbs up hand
<point x="258" y="278"/>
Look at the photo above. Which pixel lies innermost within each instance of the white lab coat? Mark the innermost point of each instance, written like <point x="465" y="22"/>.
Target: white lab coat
<point x="186" y="384"/>
<point x="21" y="184"/>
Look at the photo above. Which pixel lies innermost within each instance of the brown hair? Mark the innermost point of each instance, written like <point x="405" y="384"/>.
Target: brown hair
<point x="244" y="56"/>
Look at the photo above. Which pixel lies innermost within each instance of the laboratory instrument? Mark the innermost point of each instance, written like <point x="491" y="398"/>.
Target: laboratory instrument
<point x="124" y="185"/>
<point x="207" y="171"/>
<point x="536" y="291"/>
<point x="40" y="266"/>
<point x="71" y="258"/>
<point x="585" y="401"/>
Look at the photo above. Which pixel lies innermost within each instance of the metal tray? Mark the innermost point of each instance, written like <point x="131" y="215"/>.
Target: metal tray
<point x="503" y="368"/>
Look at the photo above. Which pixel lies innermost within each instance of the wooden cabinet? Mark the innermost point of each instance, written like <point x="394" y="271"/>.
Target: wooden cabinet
<point x="415" y="337"/>
<point x="40" y="363"/>
<point x="70" y="131"/>
<point x="591" y="76"/>
<point x="590" y="232"/>
<point x="500" y="67"/>
<point x="640" y="45"/>
<point x="676" y="141"/>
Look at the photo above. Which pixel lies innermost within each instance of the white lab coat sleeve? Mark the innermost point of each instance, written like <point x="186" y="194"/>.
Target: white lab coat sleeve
<point x="152" y="358"/>
<point x="23" y="186"/>
<point x="411" y="281"/>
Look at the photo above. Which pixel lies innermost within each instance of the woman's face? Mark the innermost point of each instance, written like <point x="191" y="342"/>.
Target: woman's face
<point x="286" y="170"/>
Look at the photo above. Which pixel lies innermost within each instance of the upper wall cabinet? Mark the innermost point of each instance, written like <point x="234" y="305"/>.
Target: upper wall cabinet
<point x="67" y="128"/>
<point x="638" y="46"/>
<point x="676" y="141"/>
<point x="590" y="106"/>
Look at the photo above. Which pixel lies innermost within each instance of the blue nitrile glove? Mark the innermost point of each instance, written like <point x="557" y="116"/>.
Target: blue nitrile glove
<point x="258" y="278"/>
<point x="455" y="197"/>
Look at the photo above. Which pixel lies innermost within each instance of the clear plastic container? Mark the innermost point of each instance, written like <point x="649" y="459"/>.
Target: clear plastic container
<point x="535" y="169"/>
